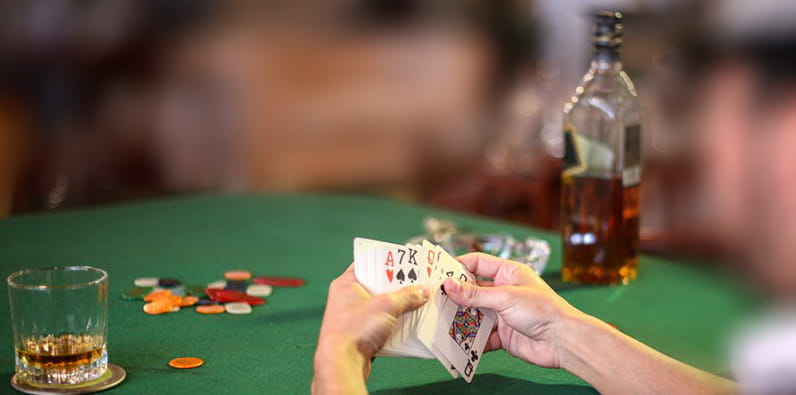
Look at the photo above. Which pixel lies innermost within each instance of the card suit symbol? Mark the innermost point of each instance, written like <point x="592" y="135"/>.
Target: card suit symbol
<point x="389" y="274"/>
<point x="412" y="275"/>
<point x="473" y="356"/>
<point x="468" y="370"/>
<point x="428" y="269"/>
<point x="442" y="289"/>
<point x="400" y="276"/>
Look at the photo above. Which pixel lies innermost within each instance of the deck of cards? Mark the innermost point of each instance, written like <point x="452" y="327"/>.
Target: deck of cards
<point x="441" y="329"/>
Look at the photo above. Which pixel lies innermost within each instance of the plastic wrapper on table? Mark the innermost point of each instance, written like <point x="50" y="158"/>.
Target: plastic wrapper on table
<point x="530" y="251"/>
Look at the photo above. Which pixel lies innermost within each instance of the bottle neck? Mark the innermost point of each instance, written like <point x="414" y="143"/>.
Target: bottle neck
<point x="606" y="59"/>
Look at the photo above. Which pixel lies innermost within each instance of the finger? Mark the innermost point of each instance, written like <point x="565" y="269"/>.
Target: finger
<point x="347" y="277"/>
<point x="488" y="266"/>
<point x="493" y="342"/>
<point x="401" y="301"/>
<point x="464" y="294"/>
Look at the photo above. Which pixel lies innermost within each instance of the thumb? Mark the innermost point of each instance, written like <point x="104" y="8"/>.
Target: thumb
<point x="466" y="294"/>
<point x="403" y="300"/>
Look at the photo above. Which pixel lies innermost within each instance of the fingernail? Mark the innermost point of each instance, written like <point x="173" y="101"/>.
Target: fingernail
<point x="426" y="291"/>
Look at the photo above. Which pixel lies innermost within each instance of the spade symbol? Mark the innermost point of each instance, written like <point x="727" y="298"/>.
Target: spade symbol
<point x="400" y="276"/>
<point x="412" y="275"/>
<point x="442" y="288"/>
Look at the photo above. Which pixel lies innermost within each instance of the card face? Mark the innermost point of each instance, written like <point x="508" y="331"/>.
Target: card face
<point x="465" y="338"/>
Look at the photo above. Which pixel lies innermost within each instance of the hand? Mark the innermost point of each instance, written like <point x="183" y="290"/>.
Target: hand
<point x="529" y="312"/>
<point x="355" y="327"/>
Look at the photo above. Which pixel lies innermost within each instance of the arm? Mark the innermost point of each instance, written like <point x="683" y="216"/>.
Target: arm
<point x="615" y="363"/>
<point x="339" y="368"/>
<point x="537" y="325"/>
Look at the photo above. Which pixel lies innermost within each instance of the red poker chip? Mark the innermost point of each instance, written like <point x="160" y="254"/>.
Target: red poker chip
<point x="227" y="296"/>
<point x="279" y="281"/>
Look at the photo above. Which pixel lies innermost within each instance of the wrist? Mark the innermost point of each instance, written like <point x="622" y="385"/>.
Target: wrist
<point x="339" y="366"/>
<point x="576" y="335"/>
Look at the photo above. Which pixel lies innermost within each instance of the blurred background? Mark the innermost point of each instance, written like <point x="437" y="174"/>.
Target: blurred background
<point x="452" y="103"/>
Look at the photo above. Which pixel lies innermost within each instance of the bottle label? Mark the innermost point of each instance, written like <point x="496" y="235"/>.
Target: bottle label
<point x="631" y="171"/>
<point x="571" y="155"/>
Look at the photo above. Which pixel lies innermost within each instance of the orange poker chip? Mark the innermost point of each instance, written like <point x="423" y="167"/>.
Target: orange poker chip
<point x="189" y="301"/>
<point x="186" y="363"/>
<point x="174" y="300"/>
<point x="210" y="309"/>
<point x="158" y="295"/>
<point x="158" y="307"/>
<point x="237" y="275"/>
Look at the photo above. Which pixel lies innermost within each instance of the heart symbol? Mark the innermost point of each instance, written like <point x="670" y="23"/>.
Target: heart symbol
<point x="389" y="274"/>
<point x="428" y="269"/>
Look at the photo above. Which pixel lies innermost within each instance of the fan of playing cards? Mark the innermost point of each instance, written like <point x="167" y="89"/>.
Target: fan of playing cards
<point x="455" y="335"/>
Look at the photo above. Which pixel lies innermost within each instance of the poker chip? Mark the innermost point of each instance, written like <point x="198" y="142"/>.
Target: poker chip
<point x="205" y="302"/>
<point x="168" y="282"/>
<point x="189" y="301"/>
<point x="260" y="290"/>
<point x="220" y="284"/>
<point x="158" y="307"/>
<point x="146" y="282"/>
<point x="279" y="281"/>
<point x="186" y="363"/>
<point x="157" y="295"/>
<point x="195" y="290"/>
<point x="236" y="285"/>
<point x="238" y="308"/>
<point x="226" y="296"/>
<point x="238" y="275"/>
<point x="136" y="293"/>
<point x="210" y="309"/>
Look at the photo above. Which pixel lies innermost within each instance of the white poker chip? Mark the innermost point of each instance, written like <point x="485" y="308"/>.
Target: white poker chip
<point x="146" y="282"/>
<point x="259" y="290"/>
<point x="220" y="284"/>
<point x="238" y="308"/>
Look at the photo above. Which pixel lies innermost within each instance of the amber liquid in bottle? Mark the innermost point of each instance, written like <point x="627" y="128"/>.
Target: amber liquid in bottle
<point x="600" y="229"/>
<point x="601" y="178"/>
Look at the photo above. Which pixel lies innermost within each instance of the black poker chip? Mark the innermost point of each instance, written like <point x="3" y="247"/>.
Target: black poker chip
<point x="168" y="282"/>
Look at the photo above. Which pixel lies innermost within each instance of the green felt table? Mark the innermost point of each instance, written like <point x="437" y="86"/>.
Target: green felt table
<point x="677" y="309"/>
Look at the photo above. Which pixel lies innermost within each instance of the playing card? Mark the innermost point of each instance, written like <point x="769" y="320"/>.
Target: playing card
<point x="464" y="339"/>
<point x="456" y="336"/>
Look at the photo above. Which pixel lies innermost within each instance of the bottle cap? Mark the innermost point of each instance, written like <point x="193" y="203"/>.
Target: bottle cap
<point x="608" y="29"/>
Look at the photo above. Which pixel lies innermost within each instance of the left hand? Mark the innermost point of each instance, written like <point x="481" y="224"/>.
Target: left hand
<point x="355" y="327"/>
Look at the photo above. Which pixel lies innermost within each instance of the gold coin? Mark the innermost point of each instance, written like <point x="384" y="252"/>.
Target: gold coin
<point x="186" y="363"/>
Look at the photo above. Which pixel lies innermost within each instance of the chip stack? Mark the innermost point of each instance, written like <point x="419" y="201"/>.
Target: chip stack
<point x="236" y="294"/>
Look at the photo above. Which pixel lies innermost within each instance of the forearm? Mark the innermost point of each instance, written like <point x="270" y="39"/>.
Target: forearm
<point x="339" y="368"/>
<point x="615" y="363"/>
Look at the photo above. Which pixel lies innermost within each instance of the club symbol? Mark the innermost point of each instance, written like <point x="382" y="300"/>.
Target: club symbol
<point x="473" y="356"/>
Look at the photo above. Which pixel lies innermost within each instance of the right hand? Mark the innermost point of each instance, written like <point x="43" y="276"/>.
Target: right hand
<point x="530" y="313"/>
